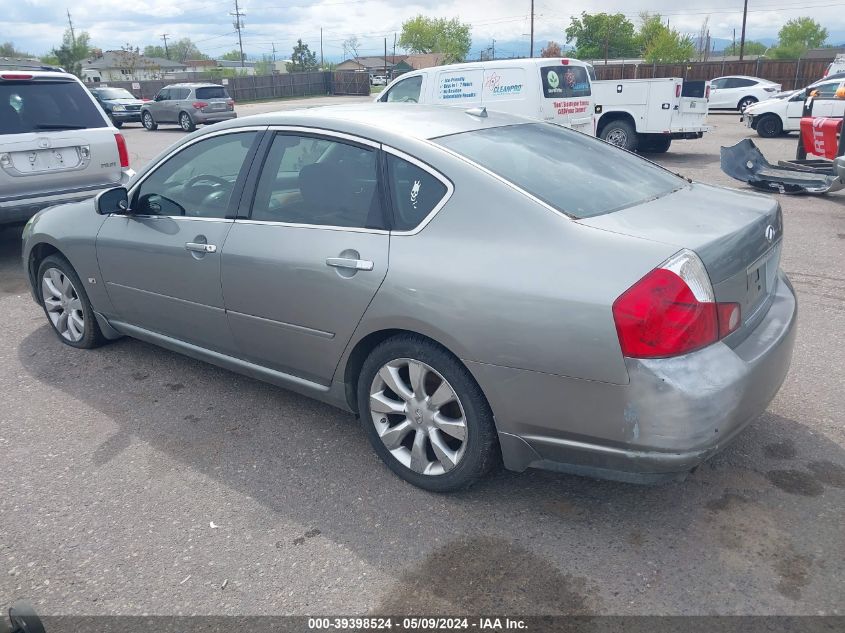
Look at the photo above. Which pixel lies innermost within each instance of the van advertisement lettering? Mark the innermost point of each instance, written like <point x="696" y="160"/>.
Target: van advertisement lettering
<point x="504" y="82"/>
<point x="457" y="87"/>
<point x="571" y="107"/>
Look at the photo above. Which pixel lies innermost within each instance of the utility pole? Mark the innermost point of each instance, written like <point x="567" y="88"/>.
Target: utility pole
<point x="322" y="66"/>
<point x="274" y="52"/>
<point x="742" y="37"/>
<point x="394" y="49"/>
<point x="166" y="51"/>
<point x="531" y="54"/>
<point x="385" y="57"/>
<point x="494" y="49"/>
<point x="238" y="24"/>
<point x="70" y="24"/>
<point x="734" y="48"/>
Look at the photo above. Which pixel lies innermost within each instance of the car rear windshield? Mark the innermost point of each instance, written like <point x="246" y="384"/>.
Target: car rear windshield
<point x="574" y="173"/>
<point x="38" y="106"/>
<point x="565" y="81"/>
<point x="212" y="92"/>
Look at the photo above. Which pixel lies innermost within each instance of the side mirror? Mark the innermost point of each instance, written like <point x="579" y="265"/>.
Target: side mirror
<point x="112" y="201"/>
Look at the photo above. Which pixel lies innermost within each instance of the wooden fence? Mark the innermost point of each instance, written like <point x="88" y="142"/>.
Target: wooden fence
<point x="254" y="87"/>
<point x="791" y="74"/>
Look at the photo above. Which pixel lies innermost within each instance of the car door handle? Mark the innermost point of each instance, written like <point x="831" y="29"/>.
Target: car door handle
<point x="354" y="264"/>
<point x="198" y="247"/>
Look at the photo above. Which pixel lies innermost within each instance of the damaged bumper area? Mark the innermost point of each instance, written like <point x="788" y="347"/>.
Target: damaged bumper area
<point x="745" y="162"/>
<point x="673" y="414"/>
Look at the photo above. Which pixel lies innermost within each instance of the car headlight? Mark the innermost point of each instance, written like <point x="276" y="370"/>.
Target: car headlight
<point x="118" y="108"/>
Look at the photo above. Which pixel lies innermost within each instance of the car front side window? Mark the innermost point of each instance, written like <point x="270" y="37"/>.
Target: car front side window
<point x="406" y="91"/>
<point x="318" y="181"/>
<point x="198" y="181"/>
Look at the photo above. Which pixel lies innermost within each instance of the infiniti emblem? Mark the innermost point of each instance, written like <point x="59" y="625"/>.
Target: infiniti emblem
<point x="418" y="415"/>
<point x="770" y="233"/>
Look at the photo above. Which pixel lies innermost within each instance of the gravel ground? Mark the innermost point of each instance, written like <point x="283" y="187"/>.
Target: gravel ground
<point x="139" y="481"/>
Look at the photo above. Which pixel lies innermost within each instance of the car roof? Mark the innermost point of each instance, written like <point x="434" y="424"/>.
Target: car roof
<point x="383" y="120"/>
<point x="188" y="84"/>
<point x="39" y="74"/>
<point x="764" y="81"/>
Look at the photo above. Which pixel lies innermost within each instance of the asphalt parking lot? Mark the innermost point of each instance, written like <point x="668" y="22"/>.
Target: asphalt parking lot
<point x="137" y="481"/>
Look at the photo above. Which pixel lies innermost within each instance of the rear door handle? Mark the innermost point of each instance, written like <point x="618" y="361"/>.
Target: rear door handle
<point x="354" y="264"/>
<point x="198" y="247"/>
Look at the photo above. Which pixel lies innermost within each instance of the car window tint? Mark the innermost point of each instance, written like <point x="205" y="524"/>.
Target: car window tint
<point x="414" y="192"/>
<point x="827" y="91"/>
<point x="212" y="92"/>
<point x="163" y="95"/>
<point x="717" y="83"/>
<point x="563" y="82"/>
<point x="744" y="83"/>
<point x="198" y="181"/>
<point x="406" y="91"/>
<point x="36" y="106"/>
<point x="575" y="173"/>
<point x="309" y="180"/>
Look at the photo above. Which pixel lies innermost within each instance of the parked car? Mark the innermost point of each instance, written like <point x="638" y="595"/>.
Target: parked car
<point x="475" y="287"/>
<point x="647" y="114"/>
<point x="379" y="80"/>
<point x="56" y="144"/>
<point x="836" y="66"/>
<point x="738" y="92"/>
<point x="780" y="115"/>
<point x="188" y="105"/>
<point x="120" y="104"/>
<point x="549" y="89"/>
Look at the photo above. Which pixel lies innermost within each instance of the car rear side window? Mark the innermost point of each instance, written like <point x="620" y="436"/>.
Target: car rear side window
<point x="40" y="106"/>
<point x="414" y="191"/>
<point x="565" y="81"/>
<point x="319" y="181"/>
<point x="572" y="172"/>
<point x="212" y="92"/>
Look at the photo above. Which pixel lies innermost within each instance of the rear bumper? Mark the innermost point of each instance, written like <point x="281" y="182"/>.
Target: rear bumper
<point x="674" y="413"/>
<point x="688" y="134"/>
<point x="214" y="117"/>
<point x="17" y="209"/>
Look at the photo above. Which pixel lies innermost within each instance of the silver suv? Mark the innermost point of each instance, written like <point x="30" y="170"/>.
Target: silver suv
<point x="56" y="144"/>
<point x="188" y="105"/>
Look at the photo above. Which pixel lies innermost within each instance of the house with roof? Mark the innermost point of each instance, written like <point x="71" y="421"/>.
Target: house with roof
<point x="418" y="61"/>
<point x="371" y="65"/>
<point x="122" y="65"/>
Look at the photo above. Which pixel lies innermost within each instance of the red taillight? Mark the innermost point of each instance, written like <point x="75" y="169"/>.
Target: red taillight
<point x="199" y="105"/>
<point x="707" y="92"/>
<point x="671" y="311"/>
<point x="121" y="150"/>
<point x="565" y="62"/>
<point x="677" y="91"/>
<point x="231" y="104"/>
<point x="13" y="76"/>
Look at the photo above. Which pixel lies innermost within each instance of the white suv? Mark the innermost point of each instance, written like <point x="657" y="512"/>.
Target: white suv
<point x="56" y="143"/>
<point x="738" y="92"/>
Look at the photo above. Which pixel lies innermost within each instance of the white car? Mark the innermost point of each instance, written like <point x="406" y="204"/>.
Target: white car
<point x="782" y="113"/>
<point x="836" y="66"/>
<point x="379" y="80"/>
<point x="737" y="92"/>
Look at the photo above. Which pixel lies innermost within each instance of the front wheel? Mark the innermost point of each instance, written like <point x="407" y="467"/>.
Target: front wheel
<point x="425" y="415"/>
<point x="769" y="126"/>
<point x="117" y="124"/>
<point x="66" y="304"/>
<point x="149" y="122"/>
<point x="620" y="133"/>
<point x="656" y="144"/>
<point x="186" y="122"/>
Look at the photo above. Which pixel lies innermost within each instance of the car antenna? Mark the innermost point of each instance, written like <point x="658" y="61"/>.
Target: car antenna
<point x="479" y="112"/>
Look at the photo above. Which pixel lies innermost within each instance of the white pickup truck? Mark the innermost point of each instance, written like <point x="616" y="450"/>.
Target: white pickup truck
<point x="646" y="114"/>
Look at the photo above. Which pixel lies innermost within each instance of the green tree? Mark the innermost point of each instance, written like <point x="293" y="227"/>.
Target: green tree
<point x="796" y="36"/>
<point x="661" y="45"/>
<point x="552" y="49"/>
<point x="436" y="35"/>
<point x="302" y="59"/>
<point x="233" y="55"/>
<point x="7" y="49"/>
<point x="73" y="51"/>
<point x="602" y="35"/>
<point x="751" y="48"/>
<point x="265" y="66"/>
<point x="179" y="50"/>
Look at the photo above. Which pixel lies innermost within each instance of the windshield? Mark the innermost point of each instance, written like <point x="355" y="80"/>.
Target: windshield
<point x="32" y="106"/>
<point x="114" y="93"/>
<point x="575" y="173"/>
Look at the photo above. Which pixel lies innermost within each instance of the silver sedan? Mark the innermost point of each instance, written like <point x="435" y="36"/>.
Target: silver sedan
<point x="478" y="288"/>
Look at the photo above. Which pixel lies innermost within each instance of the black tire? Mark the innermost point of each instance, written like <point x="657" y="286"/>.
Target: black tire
<point x="117" y="124"/>
<point x="481" y="448"/>
<point x="148" y="121"/>
<point x="24" y="618"/>
<point x="744" y="103"/>
<point x="621" y="134"/>
<point x="186" y="122"/>
<point x="655" y="144"/>
<point x="769" y="126"/>
<point x="91" y="336"/>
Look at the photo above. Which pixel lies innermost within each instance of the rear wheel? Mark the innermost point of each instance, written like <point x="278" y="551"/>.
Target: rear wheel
<point x="425" y="415"/>
<point x="148" y="121"/>
<point x="620" y="133"/>
<point x="66" y="304"/>
<point x="655" y="144"/>
<point x="745" y="102"/>
<point x="769" y="126"/>
<point x="117" y="124"/>
<point x="186" y="122"/>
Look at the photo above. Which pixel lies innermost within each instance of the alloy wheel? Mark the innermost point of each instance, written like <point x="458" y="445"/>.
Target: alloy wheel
<point x="617" y="137"/>
<point x="418" y="416"/>
<point x="63" y="305"/>
<point x="185" y="122"/>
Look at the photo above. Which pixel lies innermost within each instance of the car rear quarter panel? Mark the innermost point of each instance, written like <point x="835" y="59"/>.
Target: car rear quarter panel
<point x="501" y="279"/>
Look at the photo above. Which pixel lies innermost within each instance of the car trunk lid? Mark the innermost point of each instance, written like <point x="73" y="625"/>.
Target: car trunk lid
<point x="737" y="235"/>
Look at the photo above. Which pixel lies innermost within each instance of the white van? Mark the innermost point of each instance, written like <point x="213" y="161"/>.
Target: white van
<point x="550" y="89"/>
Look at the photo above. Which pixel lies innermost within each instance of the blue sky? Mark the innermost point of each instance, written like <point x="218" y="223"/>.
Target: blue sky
<point x="37" y="25"/>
